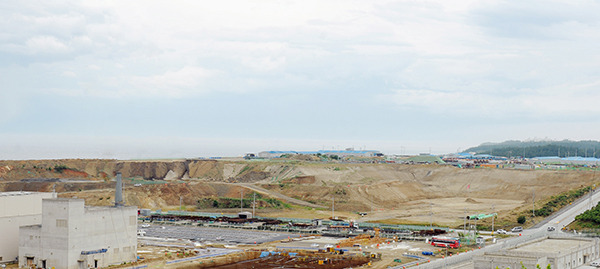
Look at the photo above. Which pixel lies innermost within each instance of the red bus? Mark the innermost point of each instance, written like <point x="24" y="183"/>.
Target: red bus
<point x="445" y="242"/>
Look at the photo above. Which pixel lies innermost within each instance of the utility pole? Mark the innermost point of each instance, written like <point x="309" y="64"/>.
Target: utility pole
<point x="475" y="230"/>
<point x="591" y="193"/>
<point x="333" y="207"/>
<point x="445" y="257"/>
<point x="469" y="226"/>
<point x="533" y="203"/>
<point x="254" y="205"/>
<point x="465" y="224"/>
<point x="493" y="217"/>
<point x="431" y="216"/>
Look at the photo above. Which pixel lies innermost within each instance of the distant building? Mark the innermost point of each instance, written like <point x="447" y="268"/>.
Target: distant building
<point x="245" y="215"/>
<point x="553" y="160"/>
<point x="18" y="209"/>
<point x="340" y="153"/>
<point x="72" y="236"/>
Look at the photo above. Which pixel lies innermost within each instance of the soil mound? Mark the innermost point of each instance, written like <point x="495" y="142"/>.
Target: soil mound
<point x="472" y="201"/>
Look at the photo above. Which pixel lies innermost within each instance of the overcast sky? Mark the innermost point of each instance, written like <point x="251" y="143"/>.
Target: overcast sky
<point x="152" y="79"/>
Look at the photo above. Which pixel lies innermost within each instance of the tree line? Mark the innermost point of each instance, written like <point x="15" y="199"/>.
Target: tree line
<point x="565" y="148"/>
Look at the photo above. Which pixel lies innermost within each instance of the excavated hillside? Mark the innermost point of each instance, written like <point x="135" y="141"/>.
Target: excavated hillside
<point x="150" y="170"/>
<point x="411" y="193"/>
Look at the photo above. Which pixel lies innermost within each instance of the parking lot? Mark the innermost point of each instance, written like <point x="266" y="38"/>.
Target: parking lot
<point x="214" y="235"/>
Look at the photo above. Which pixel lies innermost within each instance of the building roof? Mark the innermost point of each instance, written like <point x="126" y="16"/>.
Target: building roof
<point x="16" y="193"/>
<point x="552" y="245"/>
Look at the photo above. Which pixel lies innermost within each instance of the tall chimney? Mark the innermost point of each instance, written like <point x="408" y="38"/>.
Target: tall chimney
<point x="119" y="191"/>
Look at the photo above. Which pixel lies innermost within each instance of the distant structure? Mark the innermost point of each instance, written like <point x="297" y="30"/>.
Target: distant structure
<point x="468" y="160"/>
<point x="340" y="153"/>
<point x="554" y="160"/>
<point x="74" y="236"/>
<point x="28" y="212"/>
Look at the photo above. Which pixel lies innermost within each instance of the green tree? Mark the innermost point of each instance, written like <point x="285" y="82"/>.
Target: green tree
<point x="521" y="219"/>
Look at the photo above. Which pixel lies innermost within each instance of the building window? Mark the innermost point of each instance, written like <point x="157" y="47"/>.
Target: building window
<point x="61" y="223"/>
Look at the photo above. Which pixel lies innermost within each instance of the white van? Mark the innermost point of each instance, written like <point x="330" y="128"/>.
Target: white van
<point x="595" y="264"/>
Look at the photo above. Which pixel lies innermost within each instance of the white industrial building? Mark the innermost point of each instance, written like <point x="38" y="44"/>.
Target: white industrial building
<point x="73" y="236"/>
<point x="18" y="209"/>
<point x="558" y="252"/>
<point x="340" y="153"/>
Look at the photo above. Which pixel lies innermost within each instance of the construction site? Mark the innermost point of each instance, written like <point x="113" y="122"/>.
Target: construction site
<point x="301" y="214"/>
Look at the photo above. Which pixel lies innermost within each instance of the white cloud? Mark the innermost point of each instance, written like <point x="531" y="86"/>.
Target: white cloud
<point x="188" y="80"/>
<point x="555" y="102"/>
<point x="45" y="44"/>
<point x="515" y="62"/>
<point x="11" y="105"/>
<point x="69" y="74"/>
<point x="264" y="64"/>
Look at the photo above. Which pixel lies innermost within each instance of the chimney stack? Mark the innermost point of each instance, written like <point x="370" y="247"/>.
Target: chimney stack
<point x="119" y="191"/>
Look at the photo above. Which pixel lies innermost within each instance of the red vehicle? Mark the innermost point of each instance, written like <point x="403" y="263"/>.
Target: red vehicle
<point x="445" y="242"/>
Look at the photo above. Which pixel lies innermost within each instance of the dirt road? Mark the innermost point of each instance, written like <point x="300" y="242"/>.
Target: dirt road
<point x="279" y="195"/>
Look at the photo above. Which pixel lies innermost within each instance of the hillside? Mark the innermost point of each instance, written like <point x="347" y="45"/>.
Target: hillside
<point x="530" y="149"/>
<point x="396" y="192"/>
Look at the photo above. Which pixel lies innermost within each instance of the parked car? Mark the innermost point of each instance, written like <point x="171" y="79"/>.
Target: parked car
<point x="501" y="231"/>
<point x="517" y="229"/>
<point x="551" y="228"/>
<point x="595" y="264"/>
<point x="145" y="225"/>
<point x="315" y="245"/>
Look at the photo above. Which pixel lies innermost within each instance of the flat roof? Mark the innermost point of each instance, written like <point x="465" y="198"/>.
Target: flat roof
<point x="16" y="193"/>
<point x="552" y="245"/>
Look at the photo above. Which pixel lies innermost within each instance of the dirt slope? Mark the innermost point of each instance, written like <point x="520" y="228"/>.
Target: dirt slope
<point x="409" y="192"/>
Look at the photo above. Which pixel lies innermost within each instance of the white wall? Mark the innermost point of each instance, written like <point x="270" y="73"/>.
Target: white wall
<point x="68" y="228"/>
<point x="18" y="209"/>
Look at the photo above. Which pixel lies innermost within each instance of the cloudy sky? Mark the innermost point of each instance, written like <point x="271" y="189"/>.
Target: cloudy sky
<point x="150" y="79"/>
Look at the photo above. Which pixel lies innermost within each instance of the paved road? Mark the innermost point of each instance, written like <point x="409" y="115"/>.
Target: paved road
<point x="228" y="236"/>
<point x="560" y="219"/>
<point x="564" y="218"/>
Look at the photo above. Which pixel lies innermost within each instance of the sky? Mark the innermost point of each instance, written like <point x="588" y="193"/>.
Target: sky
<point x="183" y="79"/>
